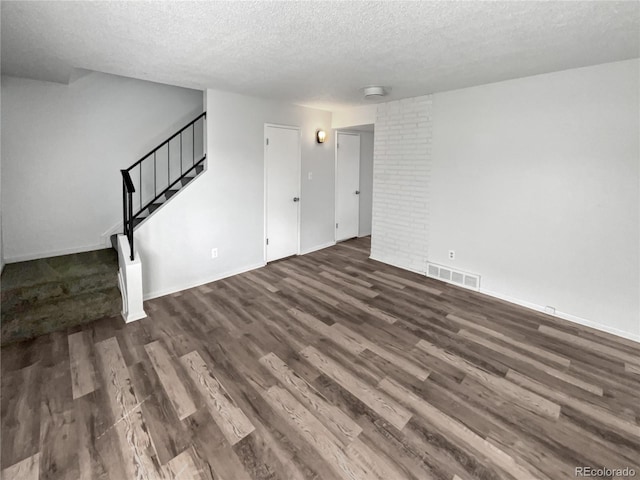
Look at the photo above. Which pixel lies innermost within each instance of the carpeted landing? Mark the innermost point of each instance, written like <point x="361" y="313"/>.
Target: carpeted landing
<point x="42" y="296"/>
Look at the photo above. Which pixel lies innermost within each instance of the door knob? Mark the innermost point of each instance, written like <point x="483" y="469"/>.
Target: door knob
<point x="296" y="199"/>
<point x="357" y="192"/>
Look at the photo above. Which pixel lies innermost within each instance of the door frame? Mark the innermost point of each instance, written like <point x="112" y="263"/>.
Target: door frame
<point x="335" y="184"/>
<point x="265" y="184"/>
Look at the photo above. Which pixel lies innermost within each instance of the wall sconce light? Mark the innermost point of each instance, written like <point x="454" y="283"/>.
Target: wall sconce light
<point x="321" y="136"/>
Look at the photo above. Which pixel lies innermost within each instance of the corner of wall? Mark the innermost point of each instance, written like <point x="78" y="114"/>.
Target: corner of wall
<point x="116" y="133"/>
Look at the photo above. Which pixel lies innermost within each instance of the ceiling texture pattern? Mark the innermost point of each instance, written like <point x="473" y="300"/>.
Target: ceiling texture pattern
<point x="318" y="54"/>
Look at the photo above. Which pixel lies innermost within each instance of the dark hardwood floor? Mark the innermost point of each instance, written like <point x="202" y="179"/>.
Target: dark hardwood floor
<point x="325" y="366"/>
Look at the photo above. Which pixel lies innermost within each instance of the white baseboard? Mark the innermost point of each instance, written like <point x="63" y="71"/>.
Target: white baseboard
<point x="397" y="265"/>
<point x="317" y="247"/>
<point x="54" y="253"/>
<point x="132" y="317"/>
<point x="197" y="283"/>
<point x="565" y="316"/>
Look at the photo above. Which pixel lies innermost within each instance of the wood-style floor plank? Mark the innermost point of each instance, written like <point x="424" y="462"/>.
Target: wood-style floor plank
<point x="376" y="462"/>
<point x="183" y="466"/>
<point x="213" y="452"/>
<point x="83" y="376"/>
<point x="592" y="345"/>
<point x="321" y="439"/>
<point x="97" y="444"/>
<point x="348" y="343"/>
<point x="596" y="413"/>
<point x="325" y="366"/>
<point x="630" y="367"/>
<point x="20" y="414"/>
<point x="135" y="444"/>
<point x="529" y="399"/>
<point x="168" y="434"/>
<point x="231" y="420"/>
<point x="58" y="440"/>
<point x="343" y="427"/>
<point x="349" y="285"/>
<point x="316" y="287"/>
<point x="409" y="283"/>
<point x="27" y="469"/>
<point x="554" y="372"/>
<point x="520" y="345"/>
<point x="446" y="424"/>
<point x="379" y="402"/>
<point x="170" y="379"/>
<point x="387" y="353"/>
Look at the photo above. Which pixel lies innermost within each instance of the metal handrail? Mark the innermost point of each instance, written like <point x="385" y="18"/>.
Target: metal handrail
<point x="203" y="114"/>
<point x="127" y="207"/>
<point x="128" y="188"/>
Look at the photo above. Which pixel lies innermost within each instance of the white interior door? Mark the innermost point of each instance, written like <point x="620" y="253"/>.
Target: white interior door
<point x="347" y="185"/>
<point x="282" y="191"/>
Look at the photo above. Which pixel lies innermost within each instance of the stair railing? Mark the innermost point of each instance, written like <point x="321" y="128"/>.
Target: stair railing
<point x="151" y="174"/>
<point x="127" y="207"/>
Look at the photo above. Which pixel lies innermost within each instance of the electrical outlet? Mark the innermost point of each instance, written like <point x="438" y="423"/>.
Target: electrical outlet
<point x="310" y="176"/>
<point x="452" y="254"/>
<point x="214" y="253"/>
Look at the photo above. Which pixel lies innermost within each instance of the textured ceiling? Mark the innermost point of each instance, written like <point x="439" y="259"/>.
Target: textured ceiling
<point x="318" y="54"/>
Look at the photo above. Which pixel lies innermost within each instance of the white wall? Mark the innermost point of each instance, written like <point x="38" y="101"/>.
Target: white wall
<point x="62" y="149"/>
<point x="1" y="242"/>
<point x="366" y="182"/>
<point x="351" y="117"/>
<point x="224" y="208"/>
<point x="535" y="185"/>
<point x="1" y="246"/>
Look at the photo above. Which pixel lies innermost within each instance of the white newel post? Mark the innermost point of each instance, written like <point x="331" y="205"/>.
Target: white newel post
<point x="130" y="282"/>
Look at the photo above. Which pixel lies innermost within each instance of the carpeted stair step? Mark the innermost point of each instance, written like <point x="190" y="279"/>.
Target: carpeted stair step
<point x="45" y="295"/>
<point x="22" y="297"/>
<point x="60" y="313"/>
<point x="77" y="265"/>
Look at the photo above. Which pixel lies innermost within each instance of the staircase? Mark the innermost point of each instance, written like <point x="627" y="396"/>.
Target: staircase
<point x="154" y="179"/>
<point x="43" y="296"/>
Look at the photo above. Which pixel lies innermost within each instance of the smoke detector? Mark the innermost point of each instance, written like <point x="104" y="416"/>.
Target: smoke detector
<point x="374" y="92"/>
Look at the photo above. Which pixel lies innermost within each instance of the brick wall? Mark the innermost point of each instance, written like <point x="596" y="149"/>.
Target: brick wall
<point x="401" y="162"/>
